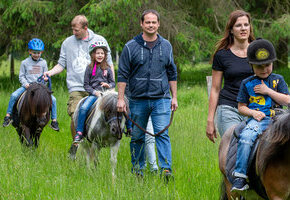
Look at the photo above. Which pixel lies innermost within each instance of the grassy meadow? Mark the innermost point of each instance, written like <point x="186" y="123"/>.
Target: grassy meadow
<point x="48" y="173"/>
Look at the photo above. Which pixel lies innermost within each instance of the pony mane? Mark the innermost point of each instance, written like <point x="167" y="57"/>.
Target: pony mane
<point x="108" y="102"/>
<point x="37" y="100"/>
<point x="273" y="142"/>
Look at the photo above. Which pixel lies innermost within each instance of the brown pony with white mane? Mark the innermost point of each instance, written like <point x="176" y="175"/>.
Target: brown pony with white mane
<point x="31" y="113"/>
<point x="272" y="162"/>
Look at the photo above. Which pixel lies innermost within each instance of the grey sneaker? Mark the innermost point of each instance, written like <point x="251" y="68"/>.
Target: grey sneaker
<point x="54" y="125"/>
<point x="7" y="121"/>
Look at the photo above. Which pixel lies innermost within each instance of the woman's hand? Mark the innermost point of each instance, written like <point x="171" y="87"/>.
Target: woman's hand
<point x="211" y="131"/>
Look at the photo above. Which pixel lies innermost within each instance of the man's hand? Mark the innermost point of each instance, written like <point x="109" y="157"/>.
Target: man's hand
<point x="262" y="88"/>
<point x="121" y="106"/>
<point x="46" y="75"/>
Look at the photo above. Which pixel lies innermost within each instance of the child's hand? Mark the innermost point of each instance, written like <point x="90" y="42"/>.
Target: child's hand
<point x="262" y="88"/>
<point x="106" y="85"/>
<point x="258" y="115"/>
<point x="26" y="86"/>
<point x="97" y="94"/>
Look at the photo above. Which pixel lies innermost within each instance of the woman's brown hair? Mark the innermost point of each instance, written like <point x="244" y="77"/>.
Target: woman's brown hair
<point x="228" y="39"/>
<point x="104" y="65"/>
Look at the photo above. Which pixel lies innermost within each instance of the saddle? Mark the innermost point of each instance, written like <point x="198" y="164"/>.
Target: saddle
<point x="254" y="180"/>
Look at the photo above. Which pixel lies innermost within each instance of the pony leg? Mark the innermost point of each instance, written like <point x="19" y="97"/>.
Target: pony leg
<point x="92" y="155"/>
<point x="37" y="136"/>
<point x="27" y="136"/>
<point x="114" y="153"/>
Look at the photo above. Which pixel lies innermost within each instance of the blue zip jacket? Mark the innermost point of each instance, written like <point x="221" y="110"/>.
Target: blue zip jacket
<point x="147" y="71"/>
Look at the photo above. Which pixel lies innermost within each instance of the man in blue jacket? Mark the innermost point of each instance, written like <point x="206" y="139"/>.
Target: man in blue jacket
<point x="147" y="65"/>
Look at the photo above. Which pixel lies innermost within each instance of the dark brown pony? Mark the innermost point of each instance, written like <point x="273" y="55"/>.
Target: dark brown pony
<point x="31" y="113"/>
<point x="272" y="162"/>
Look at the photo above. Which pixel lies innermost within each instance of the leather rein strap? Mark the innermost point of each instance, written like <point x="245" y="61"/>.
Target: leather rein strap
<point x="152" y="134"/>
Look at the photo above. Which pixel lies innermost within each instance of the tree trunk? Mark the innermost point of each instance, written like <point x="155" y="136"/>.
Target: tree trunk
<point x="12" y="72"/>
<point x="282" y="53"/>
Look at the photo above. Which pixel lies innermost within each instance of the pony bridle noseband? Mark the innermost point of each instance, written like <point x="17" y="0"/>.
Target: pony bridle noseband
<point x="119" y="129"/>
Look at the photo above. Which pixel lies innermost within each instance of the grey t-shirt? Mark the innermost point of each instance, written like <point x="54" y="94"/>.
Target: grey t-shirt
<point x="30" y="70"/>
<point x="74" y="56"/>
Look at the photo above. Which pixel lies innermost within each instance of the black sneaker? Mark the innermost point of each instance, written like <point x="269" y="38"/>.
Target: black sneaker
<point x="54" y="125"/>
<point x="73" y="151"/>
<point x="7" y="121"/>
<point x="240" y="184"/>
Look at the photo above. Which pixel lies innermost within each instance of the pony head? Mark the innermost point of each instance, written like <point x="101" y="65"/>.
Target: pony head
<point x="37" y="104"/>
<point x="113" y="118"/>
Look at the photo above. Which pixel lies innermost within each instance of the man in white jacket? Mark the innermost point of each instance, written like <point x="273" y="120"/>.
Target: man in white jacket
<point x="74" y="57"/>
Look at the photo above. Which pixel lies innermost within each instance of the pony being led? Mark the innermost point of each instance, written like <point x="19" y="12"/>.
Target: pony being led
<point x="103" y="128"/>
<point x="31" y="113"/>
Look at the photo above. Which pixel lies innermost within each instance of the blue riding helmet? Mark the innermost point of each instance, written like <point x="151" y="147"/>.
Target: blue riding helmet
<point x="36" y="44"/>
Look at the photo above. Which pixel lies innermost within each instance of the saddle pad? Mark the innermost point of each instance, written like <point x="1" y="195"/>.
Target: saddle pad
<point x="232" y="152"/>
<point x="254" y="180"/>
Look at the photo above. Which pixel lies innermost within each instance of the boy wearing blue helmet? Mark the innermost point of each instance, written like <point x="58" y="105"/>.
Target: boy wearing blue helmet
<point x="31" y="68"/>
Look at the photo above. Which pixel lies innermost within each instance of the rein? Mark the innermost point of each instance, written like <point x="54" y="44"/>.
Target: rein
<point x="142" y="129"/>
<point x="41" y="80"/>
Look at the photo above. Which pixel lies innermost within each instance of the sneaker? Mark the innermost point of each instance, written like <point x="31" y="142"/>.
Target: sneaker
<point x="73" y="151"/>
<point x="240" y="184"/>
<point x="166" y="174"/>
<point x="7" y="121"/>
<point x="78" y="137"/>
<point x="54" y="125"/>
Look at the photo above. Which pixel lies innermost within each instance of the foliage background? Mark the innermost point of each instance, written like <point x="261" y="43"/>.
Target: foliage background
<point x="192" y="26"/>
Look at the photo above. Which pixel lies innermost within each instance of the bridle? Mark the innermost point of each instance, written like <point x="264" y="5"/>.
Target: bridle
<point x="118" y="118"/>
<point x="152" y="134"/>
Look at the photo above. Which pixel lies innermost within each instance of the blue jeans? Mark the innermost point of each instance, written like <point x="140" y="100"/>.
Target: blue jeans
<point x="14" y="96"/>
<point x="150" y="147"/>
<point x="247" y="139"/>
<point x="160" y="111"/>
<point x="84" y="109"/>
<point x="226" y="117"/>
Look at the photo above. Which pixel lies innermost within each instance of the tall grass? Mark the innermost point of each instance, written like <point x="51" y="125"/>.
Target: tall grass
<point x="47" y="173"/>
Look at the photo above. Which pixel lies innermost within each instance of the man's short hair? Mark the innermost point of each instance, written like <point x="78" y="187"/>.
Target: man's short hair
<point x="150" y="11"/>
<point x="80" y="19"/>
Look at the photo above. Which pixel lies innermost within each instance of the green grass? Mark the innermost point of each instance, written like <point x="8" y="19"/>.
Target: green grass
<point x="47" y="173"/>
